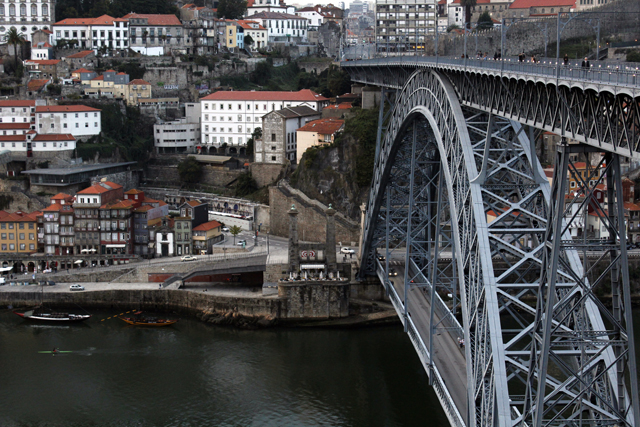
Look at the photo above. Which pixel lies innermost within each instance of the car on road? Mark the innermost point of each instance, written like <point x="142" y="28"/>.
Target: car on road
<point x="188" y="258"/>
<point x="226" y="229"/>
<point x="392" y="272"/>
<point x="347" y="250"/>
<point x="76" y="287"/>
<point x="241" y="242"/>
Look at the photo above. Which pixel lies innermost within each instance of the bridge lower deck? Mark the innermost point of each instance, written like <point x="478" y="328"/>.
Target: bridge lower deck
<point x="447" y="355"/>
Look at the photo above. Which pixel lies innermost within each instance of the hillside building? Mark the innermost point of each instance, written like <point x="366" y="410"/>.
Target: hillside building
<point x="229" y="118"/>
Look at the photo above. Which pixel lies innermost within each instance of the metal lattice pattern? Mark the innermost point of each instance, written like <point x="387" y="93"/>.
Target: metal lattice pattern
<point x="480" y="170"/>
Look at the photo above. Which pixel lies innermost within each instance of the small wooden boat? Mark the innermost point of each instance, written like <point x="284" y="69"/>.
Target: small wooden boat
<point x="148" y="321"/>
<point x="43" y="315"/>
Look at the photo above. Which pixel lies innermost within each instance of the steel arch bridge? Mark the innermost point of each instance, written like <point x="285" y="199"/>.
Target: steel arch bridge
<point x="460" y="204"/>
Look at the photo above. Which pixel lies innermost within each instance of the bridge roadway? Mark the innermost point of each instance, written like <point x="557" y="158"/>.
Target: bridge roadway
<point x="448" y="357"/>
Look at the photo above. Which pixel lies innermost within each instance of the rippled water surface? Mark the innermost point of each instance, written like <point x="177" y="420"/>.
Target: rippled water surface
<point x="193" y="374"/>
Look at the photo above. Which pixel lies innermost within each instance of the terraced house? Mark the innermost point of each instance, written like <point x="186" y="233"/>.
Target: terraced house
<point x="18" y="232"/>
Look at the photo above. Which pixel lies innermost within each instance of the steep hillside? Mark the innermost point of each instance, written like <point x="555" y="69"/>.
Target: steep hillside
<point x="341" y="173"/>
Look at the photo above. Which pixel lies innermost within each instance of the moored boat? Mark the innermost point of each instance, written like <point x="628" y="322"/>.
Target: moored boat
<point x="148" y="321"/>
<point x="41" y="315"/>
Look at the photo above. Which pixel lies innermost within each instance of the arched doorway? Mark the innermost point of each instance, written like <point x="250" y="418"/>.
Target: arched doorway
<point x="31" y="266"/>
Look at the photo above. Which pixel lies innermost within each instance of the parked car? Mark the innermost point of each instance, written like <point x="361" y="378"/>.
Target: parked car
<point x="347" y="250"/>
<point x="188" y="258"/>
<point x="241" y="242"/>
<point x="225" y="229"/>
<point x="76" y="287"/>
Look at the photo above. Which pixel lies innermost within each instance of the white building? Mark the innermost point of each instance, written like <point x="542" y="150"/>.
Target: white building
<point x="79" y="120"/>
<point x="259" y="6"/>
<point x="312" y="14"/>
<point x="455" y="14"/>
<point x="283" y="27"/>
<point x="181" y="135"/>
<point x="26" y="17"/>
<point x="104" y="32"/>
<point x="257" y="32"/>
<point x="18" y="111"/>
<point x="42" y="50"/>
<point x="229" y="118"/>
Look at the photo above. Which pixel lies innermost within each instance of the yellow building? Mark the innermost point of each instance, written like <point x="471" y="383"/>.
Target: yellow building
<point x="317" y="132"/>
<point x="230" y="35"/>
<point x="205" y="236"/>
<point x="133" y="91"/>
<point x="18" y="232"/>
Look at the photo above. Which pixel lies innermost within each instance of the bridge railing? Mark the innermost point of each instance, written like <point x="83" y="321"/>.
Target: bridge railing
<point x="623" y="75"/>
<point x="439" y="386"/>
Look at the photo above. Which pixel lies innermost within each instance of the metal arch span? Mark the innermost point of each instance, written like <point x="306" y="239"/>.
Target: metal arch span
<point x="428" y="94"/>
<point x="456" y="177"/>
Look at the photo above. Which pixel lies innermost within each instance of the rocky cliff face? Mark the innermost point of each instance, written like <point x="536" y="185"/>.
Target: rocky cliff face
<point x="328" y="174"/>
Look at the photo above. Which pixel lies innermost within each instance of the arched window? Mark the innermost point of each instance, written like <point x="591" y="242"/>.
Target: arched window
<point x="45" y="9"/>
<point x="12" y="10"/>
<point x="23" y="10"/>
<point x="34" y="10"/>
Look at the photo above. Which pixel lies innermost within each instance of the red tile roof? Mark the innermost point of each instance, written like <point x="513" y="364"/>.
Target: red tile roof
<point x="250" y="95"/>
<point x="247" y="24"/>
<point x="323" y="126"/>
<point x="207" y="226"/>
<point x="54" y="137"/>
<point x="81" y="70"/>
<point x="110" y="71"/>
<point x="102" y="20"/>
<point x="193" y="203"/>
<point x="82" y="54"/>
<point x="156" y="19"/>
<point x="13" y="138"/>
<point x="41" y="46"/>
<point x="526" y="4"/>
<point x="341" y="106"/>
<point x="134" y="191"/>
<point x="98" y="78"/>
<point x="139" y="82"/>
<point x="18" y="103"/>
<point x="64" y="109"/>
<point x="100" y="188"/>
<point x="119" y="204"/>
<point x="274" y="15"/>
<point x="61" y="196"/>
<point x="43" y="61"/>
<point x="37" y="84"/>
<point x="15" y="126"/>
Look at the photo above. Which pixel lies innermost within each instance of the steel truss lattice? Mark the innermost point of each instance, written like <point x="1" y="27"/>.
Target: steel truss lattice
<point x="463" y="185"/>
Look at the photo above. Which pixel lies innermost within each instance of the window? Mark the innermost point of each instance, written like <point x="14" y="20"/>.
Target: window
<point x="12" y="247"/>
<point x="273" y="137"/>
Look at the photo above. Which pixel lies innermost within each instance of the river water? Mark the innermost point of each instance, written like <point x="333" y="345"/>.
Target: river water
<point x="195" y="374"/>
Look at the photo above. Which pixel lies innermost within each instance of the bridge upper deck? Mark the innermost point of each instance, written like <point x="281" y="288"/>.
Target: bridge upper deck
<point x="609" y="77"/>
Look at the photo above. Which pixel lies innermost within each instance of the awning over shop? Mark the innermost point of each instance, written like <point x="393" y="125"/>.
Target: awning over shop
<point x="78" y="261"/>
<point x="312" y="267"/>
<point x="116" y="246"/>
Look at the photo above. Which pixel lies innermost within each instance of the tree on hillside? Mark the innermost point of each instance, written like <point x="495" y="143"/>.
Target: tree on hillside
<point x="245" y="185"/>
<point x="232" y="9"/>
<point x="467" y="4"/>
<point x="190" y="170"/>
<point x="484" y="21"/>
<point x="248" y="41"/>
<point x="234" y="230"/>
<point x="14" y="38"/>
